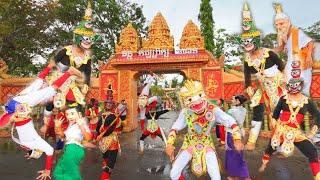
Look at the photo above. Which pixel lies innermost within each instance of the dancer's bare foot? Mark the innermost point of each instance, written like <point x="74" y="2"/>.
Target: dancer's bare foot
<point x="262" y="167"/>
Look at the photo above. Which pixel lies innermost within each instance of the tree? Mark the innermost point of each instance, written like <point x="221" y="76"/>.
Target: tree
<point x="157" y="90"/>
<point x="174" y="82"/>
<point x="270" y="41"/>
<point x="30" y="29"/>
<point x="207" y="24"/>
<point x="110" y="17"/>
<point x="314" y="31"/>
<point x="23" y="34"/>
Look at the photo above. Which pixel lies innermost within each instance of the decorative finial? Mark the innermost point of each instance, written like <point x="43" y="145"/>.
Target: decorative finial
<point x="246" y="15"/>
<point x="245" y="7"/>
<point x="88" y="12"/>
<point x="279" y="12"/>
<point x="278" y="8"/>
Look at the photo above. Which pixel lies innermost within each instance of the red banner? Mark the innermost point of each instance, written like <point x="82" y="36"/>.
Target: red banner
<point x="212" y="83"/>
<point x="107" y="79"/>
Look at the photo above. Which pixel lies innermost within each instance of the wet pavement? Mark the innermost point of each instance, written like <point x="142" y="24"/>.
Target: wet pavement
<point x="153" y="164"/>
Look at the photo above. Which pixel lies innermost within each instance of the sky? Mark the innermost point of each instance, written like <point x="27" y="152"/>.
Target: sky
<point x="227" y="13"/>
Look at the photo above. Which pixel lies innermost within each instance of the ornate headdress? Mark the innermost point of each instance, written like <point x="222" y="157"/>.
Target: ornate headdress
<point x="279" y="13"/>
<point x="295" y="84"/>
<point x="250" y="34"/>
<point x="109" y="94"/>
<point x="85" y="27"/>
<point x="249" y="28"/>
<point x="190" y="88"/>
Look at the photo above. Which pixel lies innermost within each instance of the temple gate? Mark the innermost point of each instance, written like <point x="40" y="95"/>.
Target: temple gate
<point x="157" y="53"/>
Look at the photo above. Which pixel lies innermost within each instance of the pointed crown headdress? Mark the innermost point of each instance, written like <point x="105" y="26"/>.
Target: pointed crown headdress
<point x="246" y="14"/>
<point x="279" y="12"/>
<point x="248" y="21"/>
<point x="190" y="88"/>
<point x="85" y="27"/>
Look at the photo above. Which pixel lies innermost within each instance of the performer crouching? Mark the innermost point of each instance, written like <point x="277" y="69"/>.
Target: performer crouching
<point x="288" y="116"/>
<point x="199" y="116"/>
<point x="152" y="128"/>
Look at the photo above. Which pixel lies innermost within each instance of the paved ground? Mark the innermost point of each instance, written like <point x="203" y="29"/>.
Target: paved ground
<point x="131" y="165"/>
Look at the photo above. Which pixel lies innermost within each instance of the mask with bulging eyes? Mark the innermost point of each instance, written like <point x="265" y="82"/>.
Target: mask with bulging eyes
<point x="294" y="85"/>
<point x="23" y="110"/>
<point x="247" y="41"/>
<point x="246" y="26"/>
<point x="196" y="103"/>
<point x="251" y="44"/>
<point x="296" y="72"/>
<point x="86" y="42"/>
<point x="87" y="39"/>
<point x="59" y="100"/>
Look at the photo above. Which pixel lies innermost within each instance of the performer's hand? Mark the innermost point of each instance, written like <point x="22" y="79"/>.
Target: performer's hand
<point x="170" y="151"/>
<point x="98" y="138"/>
<point x="272" y="123"/>
<point x="312" y="132"/>
<point x="80" y="120"/>
<point x="51" y="64"/>
<point x="238" y="145"/>
<point x="85" y="89"/>
<point x="262" y="167"/>
<point x="88" y="144"/>
<point x="58" y="122"/>
<point x="44" y="174"/>
<point x="250" y="91"/>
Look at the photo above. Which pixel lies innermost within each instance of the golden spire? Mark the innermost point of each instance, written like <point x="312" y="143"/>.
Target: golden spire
<point x="88" y="12"/>
<point x="278" y="8"/>
<point x="129" y="40"/>
<point x="279" y="12"/>
<point x="245" y="7"/>
<point x="191" y="37"/>
<point x="158" y="34"/>
<point x="246" y="14"/>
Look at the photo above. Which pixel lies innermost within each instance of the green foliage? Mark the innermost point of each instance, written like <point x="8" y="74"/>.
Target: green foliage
<point x="30" y="29"/>
<point x="157" y="90"/>
<point x="220" y="40"/>
<point x="207" y="24"/>
<point x="174" y="82"/>
<point x="270" y="41"/>
<point x="314" y="31"/>
<point x="110" y="17"/>
<point x="23" y="34"/>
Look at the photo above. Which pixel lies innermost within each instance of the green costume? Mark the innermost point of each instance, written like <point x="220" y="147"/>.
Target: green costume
<point x="68" y="165"/>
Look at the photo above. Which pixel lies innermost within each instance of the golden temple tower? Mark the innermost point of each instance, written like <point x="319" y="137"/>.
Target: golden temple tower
<point x="158" y="35"/>
<point x="191" y="37"/>
<point x="129" y="40"/>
